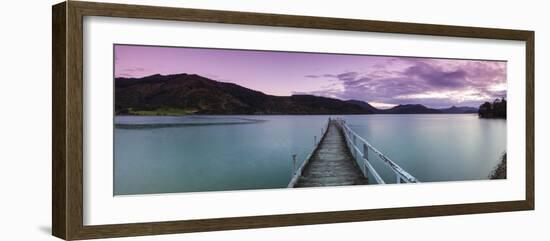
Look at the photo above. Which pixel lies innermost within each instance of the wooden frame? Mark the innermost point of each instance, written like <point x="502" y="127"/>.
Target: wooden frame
<point x="67" y="159"/>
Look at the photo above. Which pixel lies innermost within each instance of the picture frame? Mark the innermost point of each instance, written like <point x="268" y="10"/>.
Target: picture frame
<point x="68" y="117"/>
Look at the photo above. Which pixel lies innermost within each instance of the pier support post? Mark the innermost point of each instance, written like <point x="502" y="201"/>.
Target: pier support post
<point x="294" y="164"/>
<point x="366" y="158"/>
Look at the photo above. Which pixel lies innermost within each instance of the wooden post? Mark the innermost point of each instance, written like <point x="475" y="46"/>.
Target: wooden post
<point x="365" y="151"/>
<point x="314" y="140"/>
<point x="398" y="178"/>
<point x="294" y="164"/>
<point x="366" y="158"/>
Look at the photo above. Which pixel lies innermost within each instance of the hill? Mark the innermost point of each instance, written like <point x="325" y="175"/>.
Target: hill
<point x="414" y="109"/>
<point x="194" y="94"/>
<point x="411" y="109"/>
<point x="181" y="94"/>
<point x="459" y="110"/>
<point x="364" y="105"/>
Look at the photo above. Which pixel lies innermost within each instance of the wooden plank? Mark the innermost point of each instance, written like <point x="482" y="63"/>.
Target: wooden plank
<point x="332" y="163"/>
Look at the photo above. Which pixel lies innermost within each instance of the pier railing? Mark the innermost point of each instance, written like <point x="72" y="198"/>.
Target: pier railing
<point x="297" y="171"/>
<point x="360" y="150"/>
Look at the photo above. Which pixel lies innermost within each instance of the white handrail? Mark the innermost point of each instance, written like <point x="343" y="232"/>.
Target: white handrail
<point x="400" y="173"/>
<point x="366" y="164"/>
<point x="360" y="157"/>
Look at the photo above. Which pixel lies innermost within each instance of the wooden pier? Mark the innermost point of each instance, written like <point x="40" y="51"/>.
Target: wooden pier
<point x="341" y="158"/>
<point x="332" y="163"/>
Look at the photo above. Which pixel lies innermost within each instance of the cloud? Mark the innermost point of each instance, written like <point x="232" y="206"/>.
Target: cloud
<point x="130" y="72"/>
<point x="358" y="82"/>
<point x="312" y="76"/>
<point x="135" y="69"/>
<point x="126" y="75"/>
<point x="436" y="76"/>
<point x="433" y="82"/>
<point x="347" y="76"/>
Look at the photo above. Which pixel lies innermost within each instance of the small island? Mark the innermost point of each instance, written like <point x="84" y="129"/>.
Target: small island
<point x="497" y="109"/>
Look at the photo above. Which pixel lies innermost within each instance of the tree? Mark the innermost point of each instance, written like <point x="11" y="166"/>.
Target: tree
<point x="497" y="109"/>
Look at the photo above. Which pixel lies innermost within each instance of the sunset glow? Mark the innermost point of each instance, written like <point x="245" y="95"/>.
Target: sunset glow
<point x="383" y="81"/>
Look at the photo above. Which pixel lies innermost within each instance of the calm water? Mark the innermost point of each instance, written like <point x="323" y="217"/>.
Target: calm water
<point x="212" y="153"/>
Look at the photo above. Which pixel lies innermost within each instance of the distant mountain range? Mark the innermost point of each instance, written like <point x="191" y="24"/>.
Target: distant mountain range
<point x="180" y="94"/>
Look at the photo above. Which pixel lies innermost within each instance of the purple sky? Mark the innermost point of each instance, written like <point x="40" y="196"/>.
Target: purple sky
<point x="382" y="81"/>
